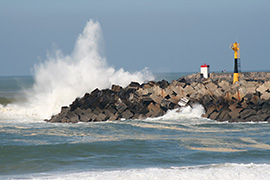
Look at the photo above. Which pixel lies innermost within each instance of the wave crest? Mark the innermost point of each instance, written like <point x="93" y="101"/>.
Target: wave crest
<point x="60" y="79"/>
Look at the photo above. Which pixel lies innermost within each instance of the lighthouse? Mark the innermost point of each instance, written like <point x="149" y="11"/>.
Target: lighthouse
<point x="236" y="48"/>
<point x="205" y="71"/>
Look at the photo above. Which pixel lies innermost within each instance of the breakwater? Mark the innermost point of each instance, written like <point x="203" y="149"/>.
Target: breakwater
<point x="246" y="100"/>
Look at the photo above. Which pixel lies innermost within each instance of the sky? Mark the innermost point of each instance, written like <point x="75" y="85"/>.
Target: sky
<point x="165" y="36"/>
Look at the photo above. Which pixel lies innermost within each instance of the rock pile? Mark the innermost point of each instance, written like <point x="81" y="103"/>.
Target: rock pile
<point x="136" y="101"/>
<point x="222" y="100"/>
<point x="241" y="102"/>
<point x="255" y="76"/>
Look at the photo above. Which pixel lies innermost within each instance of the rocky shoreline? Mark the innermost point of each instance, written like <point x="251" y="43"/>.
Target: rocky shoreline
<point x="245" y="101"/>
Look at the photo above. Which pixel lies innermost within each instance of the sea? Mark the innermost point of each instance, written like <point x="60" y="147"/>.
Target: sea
<point x="181" y="145"/>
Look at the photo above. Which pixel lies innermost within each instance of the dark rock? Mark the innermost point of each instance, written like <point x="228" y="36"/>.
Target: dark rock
<point x="100" y="117"/>
<point x="120" y="106"/>
<point x="156" y="98"/>
<point x="234" y="114"/>
<point x="154" y="110"/>
<point x="163" y="84"/>
<point x="214" y="115"/>
<point x="116" y="88"/>
<point x="72" y="117"/>
<point x="165" y="104"/>
<point x="113" y="117"/>
<point x="263" y="117"/>
<point x="134" y="85"/>
<point x="127" y="114"/>
<point x="247" y="113"/>
<point x="252" y="118"/>
<point x="146" y="100"/>
<point x="210" y="110"/>
<point x="224" y="115"/>
<point x="182" y="80"/>
<point x="83" y="114"/>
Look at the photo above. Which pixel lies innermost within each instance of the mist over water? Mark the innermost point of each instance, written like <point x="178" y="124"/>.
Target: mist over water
<point x="61" y="78"/>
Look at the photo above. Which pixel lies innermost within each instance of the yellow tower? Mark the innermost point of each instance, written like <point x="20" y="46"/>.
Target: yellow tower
<point x="236" y="48"/>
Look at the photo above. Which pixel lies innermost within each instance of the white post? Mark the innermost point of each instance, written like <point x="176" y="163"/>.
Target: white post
<point x="205" y="70"/>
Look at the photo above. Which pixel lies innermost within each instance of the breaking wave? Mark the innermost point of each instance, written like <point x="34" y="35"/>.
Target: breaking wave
<point x="61" y="78"/>
<point x="226" y="171"/>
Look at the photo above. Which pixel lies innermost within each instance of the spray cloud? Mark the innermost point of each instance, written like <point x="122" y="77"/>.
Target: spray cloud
<point x="60" y="79"/>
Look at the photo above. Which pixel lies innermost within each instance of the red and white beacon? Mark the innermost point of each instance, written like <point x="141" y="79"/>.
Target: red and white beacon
<point x="205" y="71"/>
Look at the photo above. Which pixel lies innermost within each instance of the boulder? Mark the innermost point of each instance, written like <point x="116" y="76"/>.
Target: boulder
<point x="224" y="115"/>
<point x="188" y="90"/>
<point x="127" y="114"/>
<point x="211" y="86"/>
<point x="247" y="113"/>
<point x="224" y="85"/>
<point x="142" y="91"/>
<point x="83" y="114"/>
<point x="163" y="84"/>
<point x="265" y="96"/>
<point x="113" y="117"/>
<point x="154" y="110"/>
<point x="214" y="115"/>
<point x="116" y="88"/>
<point x="72" y="117"/>
<point x="262" y="88"/>
<point x="239" y="95"/>
<point x="120" y="106"/>
<point x="156" y="98"/>
<point x="100" y="117"/>
<point x="234" y="114"/>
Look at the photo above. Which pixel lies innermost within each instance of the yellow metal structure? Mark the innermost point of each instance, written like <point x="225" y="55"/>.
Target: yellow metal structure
<point x="235" y="77"/>
<point x="236" y="48"/>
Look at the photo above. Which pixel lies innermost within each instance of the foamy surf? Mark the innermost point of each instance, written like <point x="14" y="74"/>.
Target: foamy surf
<point x="186" y="115"/>
<point x="61" y="78"/>
<point x="226" y="171"/>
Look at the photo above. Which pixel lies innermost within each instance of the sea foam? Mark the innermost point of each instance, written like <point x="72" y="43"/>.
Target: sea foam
<point x="61" y="78"/>
<point x="226" y="171"/>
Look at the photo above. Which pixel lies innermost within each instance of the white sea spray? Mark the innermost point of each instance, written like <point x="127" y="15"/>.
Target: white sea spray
<point x="61" y="78"/>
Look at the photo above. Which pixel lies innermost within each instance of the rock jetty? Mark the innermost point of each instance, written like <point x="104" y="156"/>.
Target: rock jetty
<point x="245" y="101"/>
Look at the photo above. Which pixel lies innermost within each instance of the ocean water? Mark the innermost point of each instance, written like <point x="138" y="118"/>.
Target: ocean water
<point x="179" y="145"/>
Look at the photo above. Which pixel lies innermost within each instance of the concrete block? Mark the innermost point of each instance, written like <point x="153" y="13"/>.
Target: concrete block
<point x="116" y="88"/>
<point x="247" y="113"/>
<point x="127" y="114"/>
<point x="214" y="115"/>
<point x="224" y="85"/>
<point x="234" y="114"/>
<point x="100" y="117"/>
<point x="154" y="110"/>
<point x="224" y="116"/>
<point x="211" y="86"/>
<point x="239" y="95"/>
<point x="188" y="90"/>
<point x="261" y="89"/>
<point x="265" y="96"/>
<point x="156" y="98"/>
<point x="142" y="91"/>
<point x="113" y="117"/>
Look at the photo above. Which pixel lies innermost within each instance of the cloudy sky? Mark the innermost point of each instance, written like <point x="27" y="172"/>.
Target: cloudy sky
<point x="166" y="36"/>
